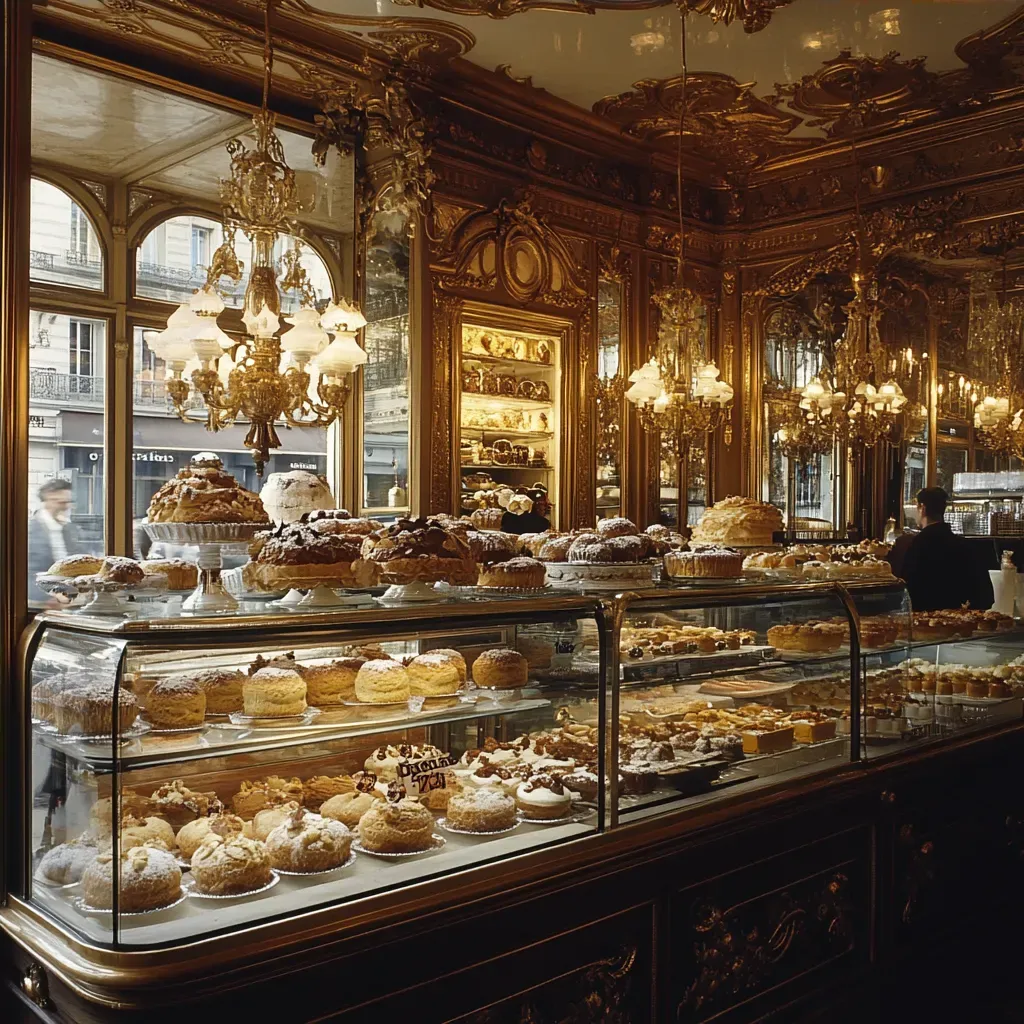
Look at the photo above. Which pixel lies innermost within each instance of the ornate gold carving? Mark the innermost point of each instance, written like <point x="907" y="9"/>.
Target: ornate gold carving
<point x="724" y="121"/>
<point x="138" y="198"/>
<point x="600" y="992"/>
<point x="751" y="946"/>
<point x="755" y="14"/>
<point x="446" y="317"/>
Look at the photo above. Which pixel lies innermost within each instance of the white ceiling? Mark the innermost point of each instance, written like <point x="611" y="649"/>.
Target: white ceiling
<point x="583" y="58"/>
<point x="103" y="125"/>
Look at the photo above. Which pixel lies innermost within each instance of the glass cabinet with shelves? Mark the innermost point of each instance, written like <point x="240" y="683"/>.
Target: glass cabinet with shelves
<point x="258" y="772"/>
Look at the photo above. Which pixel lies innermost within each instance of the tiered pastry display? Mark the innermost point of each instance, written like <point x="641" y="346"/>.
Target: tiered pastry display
<point x="105" y="577"/>
<point x="739" y="521"/>
<point x="414" y="554"/>
<point x="203" y="505"/>
<point x="509" y="413"/>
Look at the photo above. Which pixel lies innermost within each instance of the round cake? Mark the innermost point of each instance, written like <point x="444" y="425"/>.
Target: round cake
<point x="228" y="865"/>
<point x="65" y="864"/>
<point x="196" y="832"/>
<point x="739" y="520"/>
<point x="518" y="573"/>
<point x="593" y="549"/>
<point x="299" y="555"/>
<point x="718" y="563"/>
<point x="533" y="543"/>
<point x="176" y="702"/>
<point x="203" y="493"/>
<point x="544" y="797"/>
<point x="181" y="575"/>
<point x="89" y="710"/>
<point x="488" y="547"/>
<point x="222" y="687"/>
<point x="396" y="825"/>
<point x="266" y="820"/>
<point x="481" y="809"/>
<point x="332" y="683"/>
<point x="421" y="550"/>
<point x="151" y="831"/>
<point x="76" y="565"/>
<point x="149" y="879"/>
<point x="274" y="693"/>
<point x="307" y="842"/>
<point x="500" y="669"/>
<point x="348" y="808"/>
<point x="435" y="674"/>
<point x="288" y="496"/>
<point x="382" y="682"/>
<point x="617" y="526"/>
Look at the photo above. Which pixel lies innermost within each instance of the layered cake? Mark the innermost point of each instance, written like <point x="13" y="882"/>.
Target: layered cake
<point x="203" y="493"/>
<point x="739" y="520"/>
<point x="712" y="562"/>
<point x="420" y="550"/>
<point x="299" y="555"/>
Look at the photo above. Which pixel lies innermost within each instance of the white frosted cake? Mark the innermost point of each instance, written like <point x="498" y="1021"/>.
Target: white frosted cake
<point x="288" y="496"/>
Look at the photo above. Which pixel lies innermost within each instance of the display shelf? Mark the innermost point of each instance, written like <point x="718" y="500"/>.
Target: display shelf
<point x="504" y="432"/>
<point x="525" y="364"/>
<point x="332" y="724"/>
<point x="478" y="398"/>
<point x="485" y="467"/>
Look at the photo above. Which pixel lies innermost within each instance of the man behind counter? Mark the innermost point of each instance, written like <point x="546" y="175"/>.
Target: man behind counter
<point x="937" y="564"/>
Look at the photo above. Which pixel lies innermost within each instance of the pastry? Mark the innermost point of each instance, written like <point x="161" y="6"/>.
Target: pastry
<point x="767" y="741"/>
<point x="348" y="808"/>
<point x="228" y="865"/>
<point x="151" y="831"/>
<point x="544" y="797"/>
<point x="807" y="636"/>
<point x="500" y="668"/>
<point x="150" y="878"/>
<point x="274" y="693"/>
<point x="117" y="569"/>
<point x="270" y="792"/>
<point x="181" y="575"/>
<point x="340" y="521"/>
<point x="556" y="548"/>
<point x="322" y="787"/>
<point x="196" y="832"/>
<point x="617" y="526"/>
<point x="266" y="820"/>
<point x="533" y="543"/>
<point x="89" y="710"/>
<point x="456" y="659"/>
<point x="132" y="804"/>
<point x="489" y="547"/>
<point x="203" y="493"/>
<point x="739" y="520"/>
<point x="582" y="782"/>
<point x="516" y="573"/>
<point x="481" y="810"/>
<point x="435" y="674"/>
<point x="707" y="562"/>
<point x="382" y="682"/>
<point x="306" y="842"/>
<point x="44" y="693"/>
<point x="638" y="779"/>
<point x="288" y="496"/>
<point x="593" y="549"/>
<point x="178" y="805"/>
<point x="222" y="687"/>
<point x="396" y="824"/>
<point x="298" y="555"/>
<point x="76" y="565"/>
<point x="383" y="762"/>
<point x="332" y="683"/>
<point x="487" y="518"/>
<point x="420" y="550"/>
<point x="176" y="702"/>
<point x="66" y="863"/>
<point x="537" y="651"/>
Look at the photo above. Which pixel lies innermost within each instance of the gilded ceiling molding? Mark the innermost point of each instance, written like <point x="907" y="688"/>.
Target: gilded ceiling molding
<point x="725" y="122"/>
<point x="753" y="14"/>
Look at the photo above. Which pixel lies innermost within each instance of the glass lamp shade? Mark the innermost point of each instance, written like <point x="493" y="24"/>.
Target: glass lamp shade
<point x="209" y="342"/>
<point x="341" y="316"/>
<point x="646" y="384"/>
<point x="264" y="325"/>
<point x="206" y="302"/>
<point x="306" y="337"/>
<point x="174" y="344"/>
<point x="342" y="356"/>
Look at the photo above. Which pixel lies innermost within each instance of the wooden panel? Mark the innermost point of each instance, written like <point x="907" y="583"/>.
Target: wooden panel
<point x="766" y="932"/>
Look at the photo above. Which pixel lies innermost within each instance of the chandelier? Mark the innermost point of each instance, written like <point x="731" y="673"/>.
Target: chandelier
<point x="301" y="377"/>
<point x="678" y="393"/>
<point x="995" y="340"/>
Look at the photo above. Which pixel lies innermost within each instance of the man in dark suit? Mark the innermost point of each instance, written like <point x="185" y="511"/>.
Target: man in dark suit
<point x="51" y="535"/>
<point x="937" y="564"/>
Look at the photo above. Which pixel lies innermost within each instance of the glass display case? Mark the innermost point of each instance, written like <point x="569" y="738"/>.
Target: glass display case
<point x="509" y="414"/>
<point x="266" y="765"/>
<point x="258" y="766"/>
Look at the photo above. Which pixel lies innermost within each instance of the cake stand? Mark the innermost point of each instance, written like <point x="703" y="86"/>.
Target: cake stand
<point x="322" y="587"/>
<point x="210" y="597"/>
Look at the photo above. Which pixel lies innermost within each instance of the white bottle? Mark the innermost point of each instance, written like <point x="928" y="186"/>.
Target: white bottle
<point x="1004" y="585"/>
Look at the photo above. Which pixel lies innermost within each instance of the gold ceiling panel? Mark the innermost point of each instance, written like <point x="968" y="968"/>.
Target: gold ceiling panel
<point x="724" y="122"/>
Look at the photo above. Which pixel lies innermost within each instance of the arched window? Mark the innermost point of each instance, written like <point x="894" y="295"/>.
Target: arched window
<point x="171" y="262"/>
<point x="64" y="246"/>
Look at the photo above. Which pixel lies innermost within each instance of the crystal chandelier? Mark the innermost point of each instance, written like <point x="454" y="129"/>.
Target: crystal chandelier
<point x="301" y="377"/>
<point x="678" y="393"/>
